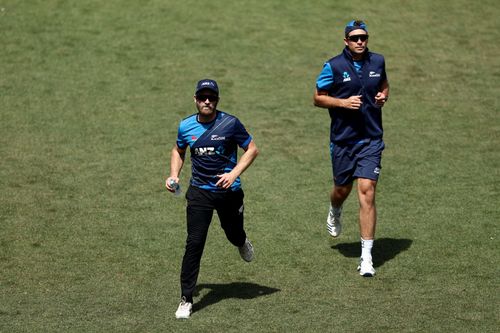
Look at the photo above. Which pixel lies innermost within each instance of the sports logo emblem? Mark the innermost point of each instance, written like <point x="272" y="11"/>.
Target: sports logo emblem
<point x="215" y="137"/>
<point x="346" y="77"/>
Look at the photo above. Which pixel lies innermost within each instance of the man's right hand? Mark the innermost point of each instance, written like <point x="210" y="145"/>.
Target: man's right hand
<point x="353" y="102"/>
<point x="167" y="183"/>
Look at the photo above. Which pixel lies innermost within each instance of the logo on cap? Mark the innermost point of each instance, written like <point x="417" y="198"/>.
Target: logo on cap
<point x="207" y="84"/>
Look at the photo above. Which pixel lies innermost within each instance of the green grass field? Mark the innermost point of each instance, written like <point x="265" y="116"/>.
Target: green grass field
<point x="91" y="93"/>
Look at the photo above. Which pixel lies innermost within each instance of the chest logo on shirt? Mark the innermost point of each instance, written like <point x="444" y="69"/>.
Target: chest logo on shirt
<point x="204" y="151"/>
<point x="346" y="77"/>
<point x="215" y="137"/>
<point x="374" y="74"/>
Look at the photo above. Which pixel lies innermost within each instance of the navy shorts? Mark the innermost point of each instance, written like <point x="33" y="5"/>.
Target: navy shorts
<point x="356" y="160"/>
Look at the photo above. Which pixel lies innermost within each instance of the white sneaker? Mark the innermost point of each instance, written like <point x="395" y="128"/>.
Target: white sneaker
<point x="333" y="223"/>
<point x="246" y="251"/>
<point x="365" y="268"/>
<point x="184" y="310"/>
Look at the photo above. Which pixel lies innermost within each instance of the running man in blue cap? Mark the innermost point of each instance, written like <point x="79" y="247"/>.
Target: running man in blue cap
<point x="353" y="86"/>
<point x="213" y="138"/>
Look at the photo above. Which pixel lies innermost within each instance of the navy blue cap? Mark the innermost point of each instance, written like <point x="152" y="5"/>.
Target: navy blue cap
<point x="207" y="84"/>
<point x="354" y="25"/>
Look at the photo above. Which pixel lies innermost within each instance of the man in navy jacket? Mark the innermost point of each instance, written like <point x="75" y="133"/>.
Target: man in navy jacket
<point x="353" y="86"/>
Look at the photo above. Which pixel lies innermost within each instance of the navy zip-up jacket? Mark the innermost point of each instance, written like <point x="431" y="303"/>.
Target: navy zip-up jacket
<point x="366" y="123"/>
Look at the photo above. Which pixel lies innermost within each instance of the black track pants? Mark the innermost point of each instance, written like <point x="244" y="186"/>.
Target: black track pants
<point x="199" y="212"/>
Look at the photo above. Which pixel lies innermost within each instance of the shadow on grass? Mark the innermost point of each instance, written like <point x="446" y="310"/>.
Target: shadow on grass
<point x="384" y="249"/>
<point x="240" y="290"/>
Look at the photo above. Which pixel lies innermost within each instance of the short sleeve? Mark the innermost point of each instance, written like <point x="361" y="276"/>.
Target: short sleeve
<point x="240" y="135"/>
<point x="181" y="142"/>
<point x="325" y="78"/>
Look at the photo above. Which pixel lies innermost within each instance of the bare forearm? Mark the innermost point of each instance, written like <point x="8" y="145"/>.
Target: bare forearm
<point x="246" y="159"/>
<point x="323" y="100"/>
<point x="383" y="95"/>
<point x="326" y="101"/>
<point x="226" y="180"/>
<point x="176" y="162"/>
<point x="385" y="89"/>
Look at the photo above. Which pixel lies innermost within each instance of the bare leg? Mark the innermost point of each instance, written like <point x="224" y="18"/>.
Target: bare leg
<point x="339" y="194"/>
<point x="367" y="209"/>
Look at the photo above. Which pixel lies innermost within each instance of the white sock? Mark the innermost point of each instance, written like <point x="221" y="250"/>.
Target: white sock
<point x="366" y="249"/>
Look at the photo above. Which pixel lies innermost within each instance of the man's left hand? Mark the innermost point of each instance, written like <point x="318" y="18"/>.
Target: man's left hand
<point x="380" y="99"/>
<point x="226" y="180"/>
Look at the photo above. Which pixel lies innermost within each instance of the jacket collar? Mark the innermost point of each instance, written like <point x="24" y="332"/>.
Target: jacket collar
<point x="348" y="55"/>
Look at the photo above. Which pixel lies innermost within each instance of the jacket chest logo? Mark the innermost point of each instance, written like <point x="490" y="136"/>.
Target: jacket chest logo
<point x="346" y="77"/>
